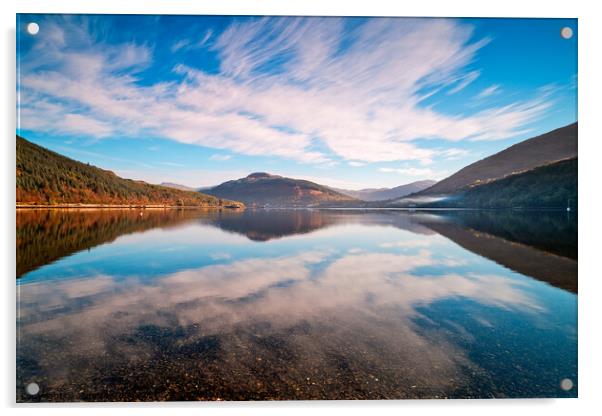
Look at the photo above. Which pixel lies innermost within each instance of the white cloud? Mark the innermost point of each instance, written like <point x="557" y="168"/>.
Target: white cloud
<point x="361" y="103"/>
<point x="453" y="153"/>
<point x="419" y="172"/>
<point x="79" y="124"/>
<point x="464" y="81"/>
<point x="182" y="43"/>
<point x="220" y="158"/>
<point x="189" y="44"/>
<point x="489" y="91"/>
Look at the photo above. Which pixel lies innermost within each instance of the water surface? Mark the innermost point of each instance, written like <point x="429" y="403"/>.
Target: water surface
<point x="121" y="305"/>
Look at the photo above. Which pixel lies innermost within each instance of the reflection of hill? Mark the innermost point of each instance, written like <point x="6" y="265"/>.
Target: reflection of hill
<point x="264" y="225"/>
<point x="551" y="268"/>
<point x="551" y="231"/>
<point x="44" y="236"/>
<point x="539" y="244"/>
<point x="399" y="219"/>
<point x="554" y="232"/>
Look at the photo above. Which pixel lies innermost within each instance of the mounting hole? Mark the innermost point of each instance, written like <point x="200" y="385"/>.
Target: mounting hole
<point x="33" y="28"/>
<point x="566" y="32"/>
<point x="32" y="389"/>
<point x="566" y="384"/>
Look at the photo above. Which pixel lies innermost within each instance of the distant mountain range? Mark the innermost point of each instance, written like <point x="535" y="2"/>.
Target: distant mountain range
<point x="540" y="172"/>
<point x="554" y="146"/>
<point x="180" y="187"/>
<point x="266" y="190"/>
<point x="382" y="194"/>
<point x="48" y="178"/>
<point x="369" y="194"/>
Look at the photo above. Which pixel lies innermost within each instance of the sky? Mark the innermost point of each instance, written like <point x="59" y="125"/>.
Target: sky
<point x="346" y="102"/>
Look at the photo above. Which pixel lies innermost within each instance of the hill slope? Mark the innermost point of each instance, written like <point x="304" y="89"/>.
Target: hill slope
<point x="263" y="189"/>
<point x="382" y="194"/>
<point x="549" y="186"/>
<point x="48" y="178"/>
<point x="550" y="147"/>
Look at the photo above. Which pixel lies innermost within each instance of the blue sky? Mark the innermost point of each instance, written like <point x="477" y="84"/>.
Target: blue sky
<point x="347" y="102"/>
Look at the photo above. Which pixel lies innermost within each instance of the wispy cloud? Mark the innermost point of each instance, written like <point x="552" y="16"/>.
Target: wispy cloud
<point x="182" y="43"/>
<point x="418" y="172"/>
<point x="220" y="158"/>
<point x="189" y="43"/>
<point x="489" y="91"/>
<point x="306" y="89"/>
<point x="453" y="153"/>
<point x="464" y="81"/>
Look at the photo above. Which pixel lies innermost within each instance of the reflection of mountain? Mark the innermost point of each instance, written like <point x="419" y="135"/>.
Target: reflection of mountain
<point x="551" y="231"/>
<point x="341" y="314"/>
<point x="555" y="270"/>
<point x="538" y="244"/>
<point x="44" y="236"/>
<point x="264" y="225"/>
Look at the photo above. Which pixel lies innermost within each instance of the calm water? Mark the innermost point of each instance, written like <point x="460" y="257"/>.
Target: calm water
<point x="190" y="305"/>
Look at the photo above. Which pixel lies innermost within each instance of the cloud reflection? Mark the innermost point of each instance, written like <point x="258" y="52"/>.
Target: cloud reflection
<point x="309" y="308"/>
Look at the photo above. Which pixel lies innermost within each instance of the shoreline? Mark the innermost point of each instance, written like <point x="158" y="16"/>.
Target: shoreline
<point x="125" y="206"/>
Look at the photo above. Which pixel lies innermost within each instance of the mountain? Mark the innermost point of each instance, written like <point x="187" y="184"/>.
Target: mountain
<point x="549" y="186"/>
<point x="382" y="194"/>
<point x="556" y="145"/>
<point x="178" y="186"/>
<point x="263" y="189"/>
<point x="48" y="178"/>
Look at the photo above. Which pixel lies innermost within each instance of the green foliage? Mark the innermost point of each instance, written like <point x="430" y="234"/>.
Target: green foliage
<point x="45" y="177"/>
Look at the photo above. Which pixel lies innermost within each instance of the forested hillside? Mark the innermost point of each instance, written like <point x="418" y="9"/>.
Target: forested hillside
<point x="45" y="177"/>
<point x="550" y="186"/>
<point x="554" y="146"/>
